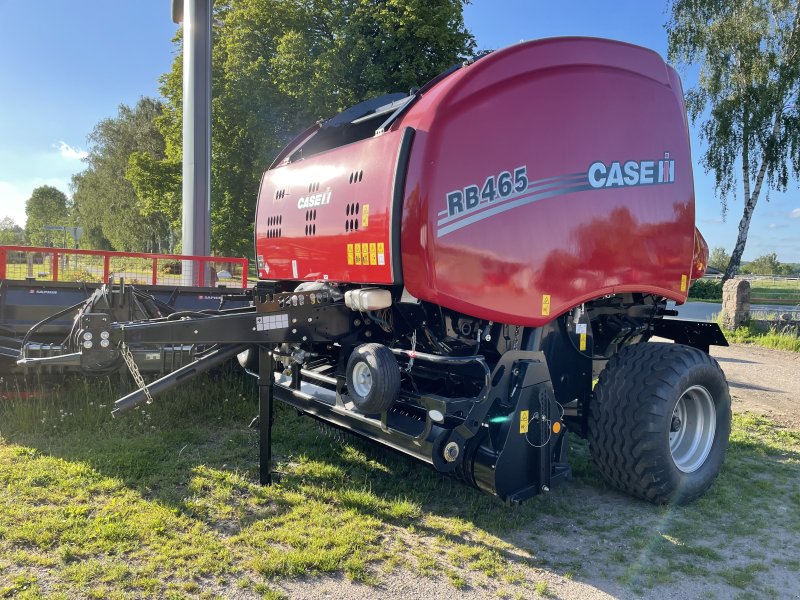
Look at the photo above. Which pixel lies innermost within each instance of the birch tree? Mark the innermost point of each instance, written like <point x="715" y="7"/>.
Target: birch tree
<point x="748" y="52"/>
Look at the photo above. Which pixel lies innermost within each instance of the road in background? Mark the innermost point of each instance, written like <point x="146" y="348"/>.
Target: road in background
<point x="707" y="311"/>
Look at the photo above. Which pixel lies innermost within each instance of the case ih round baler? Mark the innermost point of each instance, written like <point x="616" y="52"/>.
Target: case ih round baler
<point x="465" y="273"/>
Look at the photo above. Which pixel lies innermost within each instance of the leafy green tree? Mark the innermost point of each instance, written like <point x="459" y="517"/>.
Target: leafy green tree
<point x="749" y="56"/>
<point x="106" y="204"/>
<point x="46" y="206"/>
<point x="278" y="66"/>
<point x="10" y="233"/>
<point x="718" y="258"/>
<point x="767" y="264"/>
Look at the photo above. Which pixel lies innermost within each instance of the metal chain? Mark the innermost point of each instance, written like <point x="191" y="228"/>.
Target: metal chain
<point x="137" y="376"/>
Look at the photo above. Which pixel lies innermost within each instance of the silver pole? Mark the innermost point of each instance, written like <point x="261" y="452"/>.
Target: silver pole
<point x="196" y="234"/>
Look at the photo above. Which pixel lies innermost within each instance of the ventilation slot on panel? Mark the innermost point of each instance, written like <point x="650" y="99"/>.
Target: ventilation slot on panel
<point x="352" y="213"/>
<point x="280" y="194"/>
<point x="274" y="226"/>
<point x="311" y="217"/>
<point x="356" y="176"/>
<point x="313" y="187"/>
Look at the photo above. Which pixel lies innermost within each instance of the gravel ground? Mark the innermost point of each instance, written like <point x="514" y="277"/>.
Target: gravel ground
<point x="762" y="381"/>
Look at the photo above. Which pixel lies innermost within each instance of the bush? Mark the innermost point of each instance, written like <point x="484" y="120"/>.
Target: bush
<point x="706" y="289"/>
<point x="80" y="275"/>
<point x="171" y="267"/>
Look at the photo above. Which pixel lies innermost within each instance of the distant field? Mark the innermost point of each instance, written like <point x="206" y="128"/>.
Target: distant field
<point x="764" y="291"/>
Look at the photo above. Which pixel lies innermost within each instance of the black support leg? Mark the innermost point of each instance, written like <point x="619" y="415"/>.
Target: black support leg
<point x="265" y="397"/>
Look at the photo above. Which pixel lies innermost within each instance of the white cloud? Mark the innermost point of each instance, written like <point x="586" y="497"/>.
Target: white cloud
<point x="795" y="214"/>
<point x="69" y="152"/>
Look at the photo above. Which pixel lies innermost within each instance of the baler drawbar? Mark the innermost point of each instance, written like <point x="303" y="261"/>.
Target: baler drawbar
<point x="468" y="272"/>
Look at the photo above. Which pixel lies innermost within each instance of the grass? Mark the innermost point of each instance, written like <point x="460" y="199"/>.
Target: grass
<point x="165" y="503"/>
<point x="751" y="334"/>
<point x="765" y="291"/>
<point x="770" y="339"/>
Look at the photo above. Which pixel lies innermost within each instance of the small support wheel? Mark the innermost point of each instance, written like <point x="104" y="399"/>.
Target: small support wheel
<point x="373" y="378"/>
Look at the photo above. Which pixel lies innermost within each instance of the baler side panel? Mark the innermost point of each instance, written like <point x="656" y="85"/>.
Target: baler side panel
<point x="328" y="217"/>
<point x="540" y="115"/>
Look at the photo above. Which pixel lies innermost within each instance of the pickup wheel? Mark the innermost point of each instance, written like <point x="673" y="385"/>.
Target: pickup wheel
<point x="373" y="378"/>
<point x="659" y="422"/>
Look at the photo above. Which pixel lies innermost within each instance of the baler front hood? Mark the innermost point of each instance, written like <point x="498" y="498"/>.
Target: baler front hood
<point x="539" y="177"/>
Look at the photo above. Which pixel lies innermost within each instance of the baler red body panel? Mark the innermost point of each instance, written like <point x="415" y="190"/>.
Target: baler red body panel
<point x="328" y="217"/>
<point x="540" y="176"/>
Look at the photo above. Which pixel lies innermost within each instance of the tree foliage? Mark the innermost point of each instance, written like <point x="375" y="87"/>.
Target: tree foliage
<point x="280" y="65"/>
<point x="719" y="258"/>
<point x="10" y="232"/>
<point x="47" y="206"/>
<point x="749" y="86"/>
<point x="106" y="204"/>
<point x="768" y="264"/>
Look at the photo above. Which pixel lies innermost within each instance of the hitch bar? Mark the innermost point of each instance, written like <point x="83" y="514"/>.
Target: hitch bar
<point x="193" y="369"/>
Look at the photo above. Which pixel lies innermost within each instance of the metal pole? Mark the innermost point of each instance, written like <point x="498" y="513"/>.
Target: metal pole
<point x="266" y="381"/>
<point x="196" y="234"/>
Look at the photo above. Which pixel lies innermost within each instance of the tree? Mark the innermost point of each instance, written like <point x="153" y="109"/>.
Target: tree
<point x="10" y="232"/>
<point x="767" y="264"/>
<point x="46" y="206"/>
<point x="749" y="55"/>
<point x="718" y="258"/>
<point x="280" y="65"/>
<point x="106" y="203"/>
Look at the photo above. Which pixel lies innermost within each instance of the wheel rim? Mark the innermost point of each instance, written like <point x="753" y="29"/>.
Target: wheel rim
<point x="362" y="379"/>
<point x="692" y="429"/>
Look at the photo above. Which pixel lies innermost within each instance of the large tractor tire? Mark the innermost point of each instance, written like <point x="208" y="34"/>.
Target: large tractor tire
<point x="660" y="421"/>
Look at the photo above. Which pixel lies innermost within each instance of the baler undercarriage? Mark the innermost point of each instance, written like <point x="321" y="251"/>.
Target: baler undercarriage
<point x="486" y="402"/>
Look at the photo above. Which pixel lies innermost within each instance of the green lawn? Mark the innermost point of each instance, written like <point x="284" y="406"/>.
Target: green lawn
<point x="775" y="292"/>
<point x="164" y="503"/>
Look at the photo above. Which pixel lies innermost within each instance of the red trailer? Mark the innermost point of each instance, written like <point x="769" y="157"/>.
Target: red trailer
<point x="464" y="273"/>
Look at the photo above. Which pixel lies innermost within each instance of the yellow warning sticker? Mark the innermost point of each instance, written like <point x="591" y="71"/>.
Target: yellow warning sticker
<point x="349" y="254"/>
<point x="381" y="254"/>
<point x="583" y="342"/>
<point x="523" y="421"/>
<point x="364" y="253"/>
<point x="357" y="253"/>
<point x="364" y="216"/>
<point x="373" y="253"/>
<point x="683" y="283"/>
<point x="545" y="305"/>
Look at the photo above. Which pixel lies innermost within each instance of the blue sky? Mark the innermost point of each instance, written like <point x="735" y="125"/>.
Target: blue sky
<point x="66" y="65"/>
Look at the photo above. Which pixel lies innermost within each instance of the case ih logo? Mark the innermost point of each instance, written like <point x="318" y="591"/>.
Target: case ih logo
<point x="643" y="172"/>
<point x="314" y="200"/>
<point x="512" y="189"/>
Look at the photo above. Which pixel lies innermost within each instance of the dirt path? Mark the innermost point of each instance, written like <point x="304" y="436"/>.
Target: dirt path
<point x="763" y="381"/>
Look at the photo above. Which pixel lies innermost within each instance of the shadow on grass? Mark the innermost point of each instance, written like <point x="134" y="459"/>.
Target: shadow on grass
<point x="192" y="451"/>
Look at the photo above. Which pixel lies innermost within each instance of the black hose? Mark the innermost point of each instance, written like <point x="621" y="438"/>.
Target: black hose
<point x="46" y="320"/>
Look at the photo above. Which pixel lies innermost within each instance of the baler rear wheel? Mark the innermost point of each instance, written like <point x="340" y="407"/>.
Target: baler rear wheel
<point x="659" y="422"/>
<point x="373" y="378"/>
